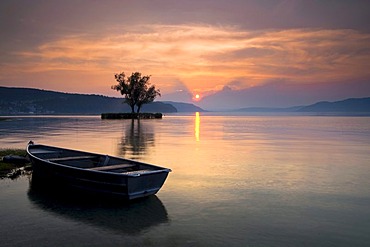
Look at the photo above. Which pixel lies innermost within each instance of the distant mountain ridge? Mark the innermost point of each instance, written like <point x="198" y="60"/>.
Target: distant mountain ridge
<point x="269" y="109"/>
<point x="282" y="94"/>
<point x="354" y="106"/>
<point x="348" y="105"/>
<point x="184" y="107"/>
<point x="15" y="101"/>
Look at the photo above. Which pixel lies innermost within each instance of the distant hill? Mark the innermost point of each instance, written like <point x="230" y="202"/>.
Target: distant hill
<point x="185" y="107"/>
<point x="269" y="109"/>
<point x="355" y="106"/>
<point x="15" y="101"/>
<point x="276" y="93"/>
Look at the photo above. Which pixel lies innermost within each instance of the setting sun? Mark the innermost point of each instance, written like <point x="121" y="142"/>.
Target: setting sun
<point x="196" y="97"/>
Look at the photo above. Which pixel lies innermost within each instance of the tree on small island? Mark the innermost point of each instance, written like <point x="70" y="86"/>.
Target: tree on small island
<point x="136" y="89"/>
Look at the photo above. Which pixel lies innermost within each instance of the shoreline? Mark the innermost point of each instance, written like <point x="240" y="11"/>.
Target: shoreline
<point x="131" y="116"/>
<point x="16" y="167"/>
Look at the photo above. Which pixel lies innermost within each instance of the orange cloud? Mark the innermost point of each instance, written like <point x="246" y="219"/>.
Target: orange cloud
<point x="204" y="58"/>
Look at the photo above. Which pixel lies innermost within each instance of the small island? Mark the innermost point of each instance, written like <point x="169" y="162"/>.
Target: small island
<point x="131" y="115"/>
<point x="137" y="91"/>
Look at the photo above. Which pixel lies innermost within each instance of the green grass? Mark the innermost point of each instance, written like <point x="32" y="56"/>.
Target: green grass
<point x="5" y="168"/>
<point x="8" y="151"/>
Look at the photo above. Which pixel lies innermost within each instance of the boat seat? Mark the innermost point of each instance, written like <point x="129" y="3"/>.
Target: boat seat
<point x="138" y="172"/>
<point x="111" y="167"/>
<point x="43" y="151"/>
<point x="72" y="158"/>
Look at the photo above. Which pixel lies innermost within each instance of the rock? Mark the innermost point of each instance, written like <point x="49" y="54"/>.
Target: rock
<point x="15" y="159"/>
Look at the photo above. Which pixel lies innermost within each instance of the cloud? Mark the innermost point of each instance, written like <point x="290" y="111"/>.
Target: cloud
<point x="280" y="93"/>
<point x="302" y="55"/>
<point x="203" y="57"/>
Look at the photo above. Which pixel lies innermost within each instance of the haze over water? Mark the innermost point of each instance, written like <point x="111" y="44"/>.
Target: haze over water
<point x="235" y="181"/>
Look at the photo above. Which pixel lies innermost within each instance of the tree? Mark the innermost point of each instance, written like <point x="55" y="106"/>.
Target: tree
<point x="136" y="90"/>
<point x="124" y="88"/>
<point x="147" y="96"/>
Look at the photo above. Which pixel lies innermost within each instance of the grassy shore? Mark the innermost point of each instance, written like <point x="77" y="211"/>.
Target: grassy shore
<point x="9" y="168"/>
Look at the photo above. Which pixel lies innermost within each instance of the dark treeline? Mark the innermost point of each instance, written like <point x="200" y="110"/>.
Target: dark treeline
<point x="34" y="101"/>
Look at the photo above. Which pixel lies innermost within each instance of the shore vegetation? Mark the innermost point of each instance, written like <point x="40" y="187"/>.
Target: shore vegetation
<point x="13" y="169"/>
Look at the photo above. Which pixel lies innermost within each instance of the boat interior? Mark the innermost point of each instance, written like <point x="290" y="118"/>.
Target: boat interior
<point x="89" y="161"/>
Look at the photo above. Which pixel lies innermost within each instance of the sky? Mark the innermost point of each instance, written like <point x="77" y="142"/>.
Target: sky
<point x="292" y="49"/>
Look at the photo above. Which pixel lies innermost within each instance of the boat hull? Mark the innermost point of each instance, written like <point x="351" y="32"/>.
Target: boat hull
<point x="97" y="182"/>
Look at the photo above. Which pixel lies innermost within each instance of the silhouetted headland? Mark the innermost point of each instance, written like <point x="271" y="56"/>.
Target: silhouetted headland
<point x="29" y="101"/>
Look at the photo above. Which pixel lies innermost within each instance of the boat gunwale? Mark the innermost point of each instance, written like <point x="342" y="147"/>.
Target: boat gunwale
<point x="160" y="169"/>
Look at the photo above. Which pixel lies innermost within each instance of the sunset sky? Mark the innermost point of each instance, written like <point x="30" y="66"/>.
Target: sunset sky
<point x="196" y="46"/>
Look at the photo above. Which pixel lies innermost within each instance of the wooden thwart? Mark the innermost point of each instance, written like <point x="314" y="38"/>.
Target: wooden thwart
<point x="43" y="151"/>
<point x="72" y="158"/>
<point x="139" y="172"/>
<point x="112" y="167"/>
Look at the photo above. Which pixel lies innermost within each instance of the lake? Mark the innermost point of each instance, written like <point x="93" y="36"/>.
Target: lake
<point x="235" y="181"/>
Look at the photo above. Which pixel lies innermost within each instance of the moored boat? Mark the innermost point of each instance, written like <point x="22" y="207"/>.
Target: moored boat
<point x="95" y="173"/>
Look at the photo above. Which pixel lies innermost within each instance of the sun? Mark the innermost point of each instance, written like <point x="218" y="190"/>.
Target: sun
<point x="196" y="97"/>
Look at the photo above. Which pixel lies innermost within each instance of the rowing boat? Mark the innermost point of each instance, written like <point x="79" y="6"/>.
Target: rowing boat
<point x="95" y="173"/>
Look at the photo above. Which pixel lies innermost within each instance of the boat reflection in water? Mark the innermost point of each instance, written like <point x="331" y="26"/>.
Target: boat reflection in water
<point x="128" y="217"/>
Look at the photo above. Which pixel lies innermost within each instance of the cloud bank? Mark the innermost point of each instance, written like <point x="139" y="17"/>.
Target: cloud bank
<point x="205" y="58"/>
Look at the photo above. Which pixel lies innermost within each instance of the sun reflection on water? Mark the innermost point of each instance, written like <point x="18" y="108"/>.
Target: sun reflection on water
<point x="197" y="127"/>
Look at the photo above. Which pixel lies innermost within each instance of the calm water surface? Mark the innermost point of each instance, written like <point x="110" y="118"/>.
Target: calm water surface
<point x="235" y="181"/>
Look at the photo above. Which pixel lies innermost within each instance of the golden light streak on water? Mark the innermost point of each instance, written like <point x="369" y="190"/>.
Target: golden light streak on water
<point x="197" y="126"/>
